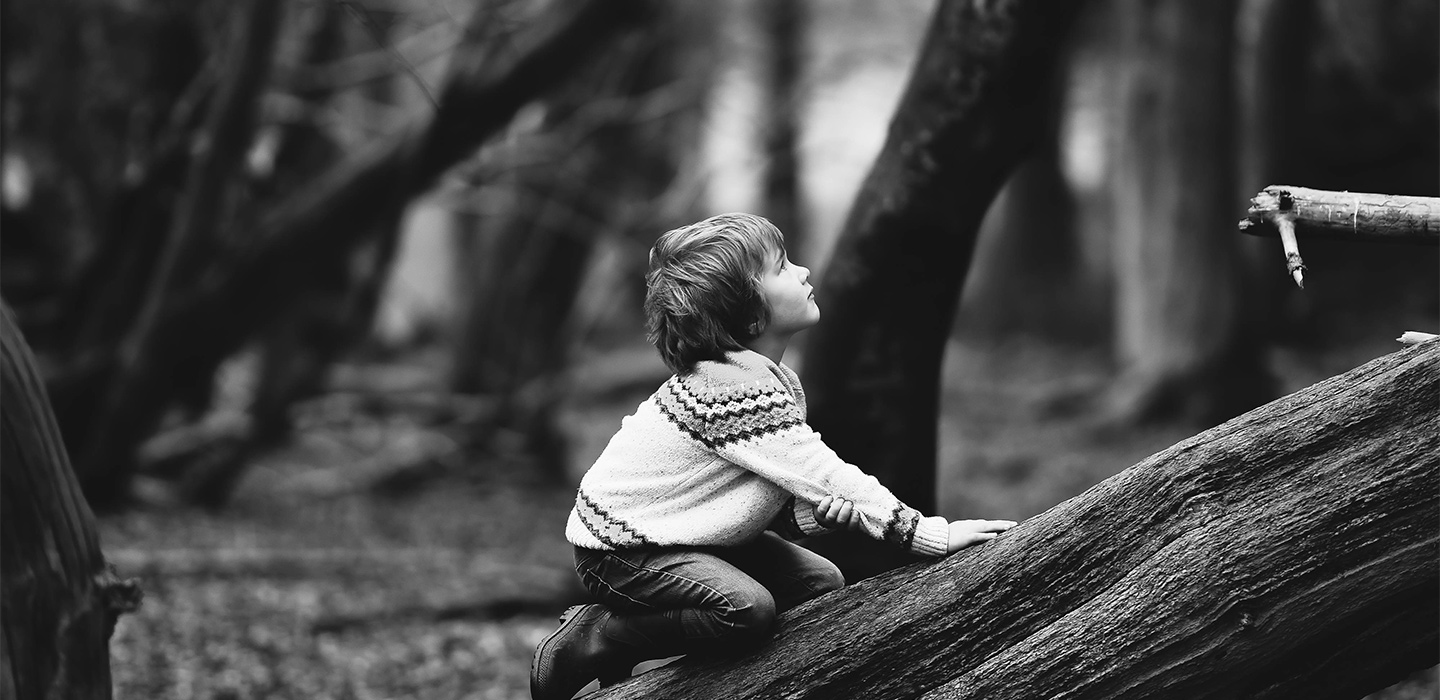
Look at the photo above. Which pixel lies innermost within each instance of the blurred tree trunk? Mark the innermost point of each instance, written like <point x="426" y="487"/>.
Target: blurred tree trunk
<point x="132" y="228"/>
<point x="147" y="372"/>
<point x="603" y="148"/>
<point x="783" y="24"/>
<point x="127" y="183"/>
<point x="58" y="602"/>
<point x="1274" y="42"/>
<point x="304" y="340"/>
<point x="969" y="115"/>
<point x="82" y="129"/>
<point x="1289" y="553"/>
<point x="1090" y="118"/>
<point x="1187" y="343"/>
<point x="197" y="328"/>
<point x="1027" y="275"/>
<point x="308" y="335"/>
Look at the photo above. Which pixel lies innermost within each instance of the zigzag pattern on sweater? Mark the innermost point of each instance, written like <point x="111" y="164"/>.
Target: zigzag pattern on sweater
<point x="614" y="532"/>
<point x="736" y="414"/>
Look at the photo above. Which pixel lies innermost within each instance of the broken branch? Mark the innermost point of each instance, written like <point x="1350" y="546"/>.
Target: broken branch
<point x="1294" y="211"/>
<point x="1346" y="215"/>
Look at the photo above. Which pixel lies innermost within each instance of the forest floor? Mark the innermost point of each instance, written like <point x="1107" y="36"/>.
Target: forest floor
<point x="333" y="574"/>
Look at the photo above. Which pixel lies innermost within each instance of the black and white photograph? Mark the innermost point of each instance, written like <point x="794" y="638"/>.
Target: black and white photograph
<point x="720" y="349"/>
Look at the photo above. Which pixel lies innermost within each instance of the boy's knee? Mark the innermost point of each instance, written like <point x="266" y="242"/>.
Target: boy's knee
<point x="752" y="617"/>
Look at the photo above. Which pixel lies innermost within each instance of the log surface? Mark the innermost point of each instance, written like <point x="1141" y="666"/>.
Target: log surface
<point x="1289" y="552"/>
<point x="1346" y="215"/>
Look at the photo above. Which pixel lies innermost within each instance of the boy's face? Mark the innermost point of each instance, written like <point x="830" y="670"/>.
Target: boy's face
<point x="790" y="297"/>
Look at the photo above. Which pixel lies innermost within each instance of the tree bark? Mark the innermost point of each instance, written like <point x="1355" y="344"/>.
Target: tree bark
<point x="1289" y="552"/>
<point x="970" y="114"/>
<point x="1345" y="215"/>
<point x="58" y="603"/>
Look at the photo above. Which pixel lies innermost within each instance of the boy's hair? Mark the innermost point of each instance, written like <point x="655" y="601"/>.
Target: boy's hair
<point x="703" y="293"/>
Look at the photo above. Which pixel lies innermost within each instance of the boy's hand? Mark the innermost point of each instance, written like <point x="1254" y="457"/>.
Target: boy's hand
<point x="836" y="513"/>
<point x="964" y="533"/>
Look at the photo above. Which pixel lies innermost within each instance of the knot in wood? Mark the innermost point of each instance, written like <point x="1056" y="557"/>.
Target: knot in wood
<point x="118" y="595"/>
<point x="1202" y="507"/>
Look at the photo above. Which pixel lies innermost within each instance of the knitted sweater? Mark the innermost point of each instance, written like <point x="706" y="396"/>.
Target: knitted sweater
<point x="717" y="456"/>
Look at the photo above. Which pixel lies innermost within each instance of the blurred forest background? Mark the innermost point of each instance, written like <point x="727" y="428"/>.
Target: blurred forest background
<point x="336" y="299"/>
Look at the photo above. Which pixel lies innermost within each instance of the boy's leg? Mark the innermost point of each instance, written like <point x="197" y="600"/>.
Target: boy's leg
<point x="683" y="599"/>
<point x="655" y="603"/>
<point x="792" y="573"/>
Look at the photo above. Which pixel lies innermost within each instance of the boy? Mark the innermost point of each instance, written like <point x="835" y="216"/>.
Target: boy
<point x="675" y="525"/>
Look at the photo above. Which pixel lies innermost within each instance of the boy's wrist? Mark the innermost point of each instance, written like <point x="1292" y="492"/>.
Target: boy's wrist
<point x="932" y="537"/>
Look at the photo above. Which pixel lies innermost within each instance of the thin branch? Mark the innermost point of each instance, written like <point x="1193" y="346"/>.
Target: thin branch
<point x="1346" y="215"/>
<point x="1295" y="211"/>
<point x="363" y="17"/>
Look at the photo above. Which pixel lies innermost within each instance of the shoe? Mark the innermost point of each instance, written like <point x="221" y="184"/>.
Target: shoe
<point x="575" y="654"/>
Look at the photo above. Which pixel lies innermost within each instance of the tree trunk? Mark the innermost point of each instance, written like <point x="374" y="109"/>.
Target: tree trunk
<point x="1027" y="276"/>
<point x="1187" y="347"/>
<point x="783" y="28"/>
<point x="1287" y="553"/>
<point x="322" y="321"/>
<point x="1345" y="215"/>
<point x="1274" y="42"/>
<point x="334" y="215"/>
<point x="59" y="603"/>
<point x="143" y="365"/>
<point x="608" y="142"/>
<point x="86" y="91"/>
<point x="970" y="114"/>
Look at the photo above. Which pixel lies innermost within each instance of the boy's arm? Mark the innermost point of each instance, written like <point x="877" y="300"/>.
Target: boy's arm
<point x="760" y="427"/>
<point x="801" y="463"/>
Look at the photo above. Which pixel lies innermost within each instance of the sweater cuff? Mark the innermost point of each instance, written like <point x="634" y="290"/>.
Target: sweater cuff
<point x="932" y="537"/>
<point x="804" y="513"/>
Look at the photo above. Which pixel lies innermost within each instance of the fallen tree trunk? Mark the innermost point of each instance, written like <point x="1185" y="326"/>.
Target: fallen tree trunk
<point x="1345" y="215"/>
<point x="1289" y="552"/>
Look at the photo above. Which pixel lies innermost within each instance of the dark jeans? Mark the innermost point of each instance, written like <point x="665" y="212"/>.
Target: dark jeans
<point x="720" y="595"/>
